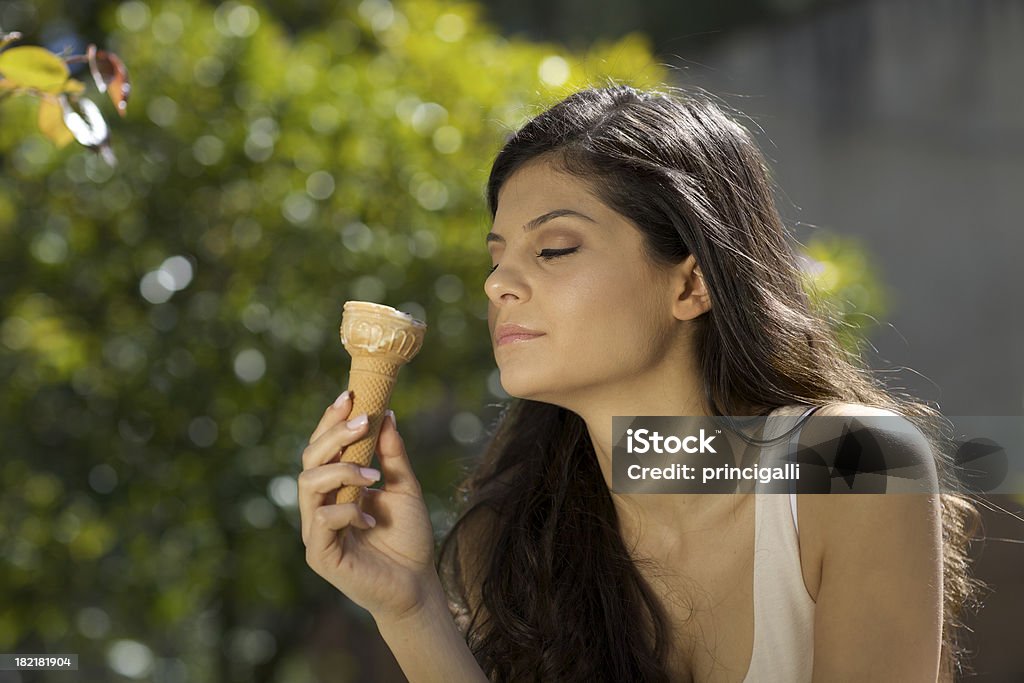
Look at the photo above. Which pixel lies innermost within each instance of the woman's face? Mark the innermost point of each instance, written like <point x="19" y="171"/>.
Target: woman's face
<point x="604" y="309"/>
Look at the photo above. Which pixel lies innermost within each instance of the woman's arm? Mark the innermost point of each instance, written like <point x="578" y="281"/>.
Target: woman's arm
<point x="429" y="647"/>
<point x="386" y="568"/>
<point x="879" y="610"/>
<point x="879" y="605"/>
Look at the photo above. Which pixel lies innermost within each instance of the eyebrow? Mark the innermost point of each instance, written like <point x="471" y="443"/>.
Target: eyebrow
<point x="540" y="220"/>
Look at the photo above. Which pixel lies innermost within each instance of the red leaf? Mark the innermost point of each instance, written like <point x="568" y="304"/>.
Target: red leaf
<point x="110" y="73"/>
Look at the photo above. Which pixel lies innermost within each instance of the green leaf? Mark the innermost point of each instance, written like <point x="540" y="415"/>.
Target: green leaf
<point x="73" y="87"/>
<point x="34" y="67"/>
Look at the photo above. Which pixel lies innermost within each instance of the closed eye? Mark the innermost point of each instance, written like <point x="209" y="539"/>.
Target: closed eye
<point x="549" y="254"/>
<point x="546" y="254"/>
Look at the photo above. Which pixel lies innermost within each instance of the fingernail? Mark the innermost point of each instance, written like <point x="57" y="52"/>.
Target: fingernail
<point x="369" y="473"/>
<point x="391" y="415"/>
<point x="345" y="395"/>
<point x="369" y="520"/>
<point x="357" y="422"/>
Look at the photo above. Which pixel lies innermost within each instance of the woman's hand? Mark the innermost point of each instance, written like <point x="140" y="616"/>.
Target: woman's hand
<point x="385" y="564"/>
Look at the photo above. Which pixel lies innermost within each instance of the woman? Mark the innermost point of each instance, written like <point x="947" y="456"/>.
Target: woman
<point x="636" y="243"/>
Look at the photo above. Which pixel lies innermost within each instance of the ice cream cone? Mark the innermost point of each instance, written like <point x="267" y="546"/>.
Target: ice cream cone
<point x="380" y="340"/>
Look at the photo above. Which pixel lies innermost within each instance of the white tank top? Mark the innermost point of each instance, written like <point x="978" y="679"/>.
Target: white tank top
<point x="783" y="610"/>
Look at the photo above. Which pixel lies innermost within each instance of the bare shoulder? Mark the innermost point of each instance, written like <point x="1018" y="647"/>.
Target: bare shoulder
<point x="859" y="524"/>
<point x="878" y="567"/>
<point x="902" y="447"/>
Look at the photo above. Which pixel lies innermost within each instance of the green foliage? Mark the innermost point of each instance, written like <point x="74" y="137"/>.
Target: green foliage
<point x="844" y="286"/>
<point x="156" y="406"/>
<point x="169" y="327"/>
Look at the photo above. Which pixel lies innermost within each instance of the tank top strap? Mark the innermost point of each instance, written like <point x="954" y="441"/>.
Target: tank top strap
<point x="793" y="446"/>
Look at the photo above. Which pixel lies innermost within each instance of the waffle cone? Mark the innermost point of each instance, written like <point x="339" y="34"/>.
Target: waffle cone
<point x="380" y="340"/>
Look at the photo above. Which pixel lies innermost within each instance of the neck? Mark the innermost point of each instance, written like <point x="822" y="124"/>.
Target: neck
<point x="639" y="513"/>
<point x="649" y="516"/>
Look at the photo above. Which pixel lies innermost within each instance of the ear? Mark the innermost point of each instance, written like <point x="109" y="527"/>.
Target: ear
<point x="690" y="294"/>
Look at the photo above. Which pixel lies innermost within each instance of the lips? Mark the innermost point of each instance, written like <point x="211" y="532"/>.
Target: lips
<point x="509" y="333"/>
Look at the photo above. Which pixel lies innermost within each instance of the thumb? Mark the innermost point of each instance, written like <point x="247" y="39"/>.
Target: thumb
<point x="394" y="461"/>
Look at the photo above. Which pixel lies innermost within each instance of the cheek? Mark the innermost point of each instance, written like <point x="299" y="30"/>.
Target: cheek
<point x="601" y="291"/>
<point x="622" y="297"/>
<point x="636" y="313"/>
<point x="607" y="314"/>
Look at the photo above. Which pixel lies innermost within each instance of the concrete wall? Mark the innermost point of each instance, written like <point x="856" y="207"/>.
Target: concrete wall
<point x="901" y="122"/>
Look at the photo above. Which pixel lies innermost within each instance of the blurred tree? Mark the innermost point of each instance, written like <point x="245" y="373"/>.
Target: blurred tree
<point x="169" y="326"/>
<point x="845" y="287"/>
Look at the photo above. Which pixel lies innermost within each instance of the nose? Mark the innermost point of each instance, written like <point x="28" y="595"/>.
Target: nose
<point x="503" y="286"/>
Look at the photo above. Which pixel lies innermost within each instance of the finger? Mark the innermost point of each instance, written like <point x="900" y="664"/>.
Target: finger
<point x="394" y="461"/>
<point x="324" y="547"/>
<point x="316" y="486"/>
<point x="335" y="413"/>
<point x="321" y="484"/>
<point x="332" y="441"/>
<point x="370" y="502"/>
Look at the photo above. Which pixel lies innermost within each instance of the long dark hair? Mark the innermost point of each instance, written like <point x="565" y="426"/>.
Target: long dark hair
<point x="537" y="549"/>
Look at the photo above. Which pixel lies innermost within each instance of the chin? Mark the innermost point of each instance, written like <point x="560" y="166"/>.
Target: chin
<point x="521" y="387"/>
<point x="532" y="391"/>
